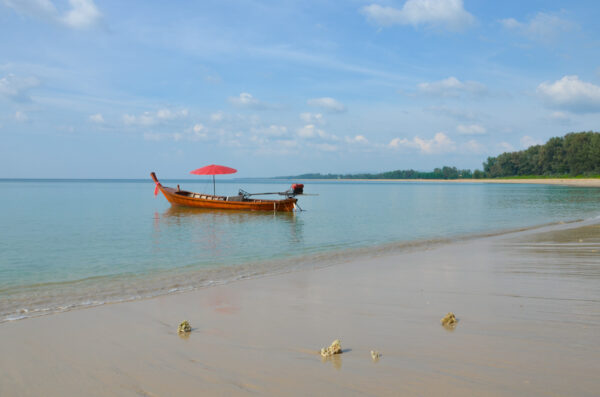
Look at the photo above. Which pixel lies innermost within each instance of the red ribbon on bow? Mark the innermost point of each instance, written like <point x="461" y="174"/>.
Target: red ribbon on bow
<point x="156" y="189"/>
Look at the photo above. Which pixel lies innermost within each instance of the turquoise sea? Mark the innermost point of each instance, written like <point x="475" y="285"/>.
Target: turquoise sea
<point x="72" y="243"/>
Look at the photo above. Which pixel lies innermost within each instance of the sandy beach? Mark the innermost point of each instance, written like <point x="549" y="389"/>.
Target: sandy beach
<point x="580" y="182"/>
<point x="528" y="305"/>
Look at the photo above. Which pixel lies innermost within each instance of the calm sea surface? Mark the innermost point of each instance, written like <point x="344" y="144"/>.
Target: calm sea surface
<point x="65" y="244"/>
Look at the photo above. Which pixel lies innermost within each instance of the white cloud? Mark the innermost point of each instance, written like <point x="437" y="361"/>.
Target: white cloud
<point x="528" y="141"/>
<point x="309" y="131"/>
<point x="511" y="23"/>
<point x="196" y="133"/>
<point x="398" y="142"/>
<point x="449" y="14"/>
<point x="357" y="139"/>
<point x="471" y="129"/>
<point x="21" y="116"/>
<point x="543" y="27"/>
<point x="329" y="104"/>
<point x="168" y="114"/>
<point x="82" y="14"/>
<point x="560" y="117"/>
<point x="440" y="143"/>
<point x="245" y="100"/>
<point x="151" y="118"/>
<point x="452" y="87"/>
<point x="572" y="94"/>
<point x="17" y="88"/>
<point x="311" y="118"/>
<point x="97" y="118"/>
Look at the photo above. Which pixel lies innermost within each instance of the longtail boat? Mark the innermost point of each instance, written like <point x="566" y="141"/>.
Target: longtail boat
<point x="242" y="201"/>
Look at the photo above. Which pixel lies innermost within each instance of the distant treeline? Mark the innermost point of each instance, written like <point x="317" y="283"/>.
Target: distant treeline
<point x="577" y="153"/>
<point x="437" y="173"/>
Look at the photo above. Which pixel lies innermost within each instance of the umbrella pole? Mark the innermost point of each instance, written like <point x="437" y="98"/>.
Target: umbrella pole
<point x="214" y="191"/>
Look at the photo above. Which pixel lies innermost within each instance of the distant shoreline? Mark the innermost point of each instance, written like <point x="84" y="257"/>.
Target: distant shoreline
<point x="582" y="182"/>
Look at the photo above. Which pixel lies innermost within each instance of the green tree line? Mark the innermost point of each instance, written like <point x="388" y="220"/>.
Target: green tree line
<point x="438" y="173"/>
<point x="575" y="154"/>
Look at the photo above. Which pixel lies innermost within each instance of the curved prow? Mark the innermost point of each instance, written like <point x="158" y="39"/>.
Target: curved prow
<point x="153" y="176"/>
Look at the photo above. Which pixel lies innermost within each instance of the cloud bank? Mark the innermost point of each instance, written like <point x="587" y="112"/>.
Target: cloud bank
<point x="17" y="88"/>
<point x="247" y="101"/>
<point x="542" y="27"/>
<point x="448" y="14"/>
<point x="328" y="104"/>
<point x="82" y="14"/>
<point x="452" y="87"/>
<point x="440" y="143"/>
<point x="570" y="93"/>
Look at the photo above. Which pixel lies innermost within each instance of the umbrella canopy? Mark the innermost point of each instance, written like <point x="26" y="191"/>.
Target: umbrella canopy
<point x="213" y="170"/>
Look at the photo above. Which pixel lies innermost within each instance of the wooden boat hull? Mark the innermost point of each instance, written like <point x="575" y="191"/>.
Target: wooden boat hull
<point x="209" y="201"/>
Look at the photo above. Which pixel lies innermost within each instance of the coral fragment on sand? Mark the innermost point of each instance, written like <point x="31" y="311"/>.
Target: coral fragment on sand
<point x="184" y="327"/>
<point x="335" y="348"/>
<point x="449" y="320"/>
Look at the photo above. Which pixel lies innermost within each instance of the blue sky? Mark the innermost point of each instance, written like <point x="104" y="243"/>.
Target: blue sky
<point x="94" y="89"/>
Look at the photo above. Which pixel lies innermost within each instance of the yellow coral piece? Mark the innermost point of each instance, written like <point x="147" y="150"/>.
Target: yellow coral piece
<point x="335" y="348"/>
<point x="375" y="355"/>
<point x="184" y="327"/>
<point x="449" y="320"/>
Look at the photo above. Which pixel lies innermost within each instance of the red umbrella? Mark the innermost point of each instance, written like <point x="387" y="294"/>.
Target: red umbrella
<point x="213" y="170"/>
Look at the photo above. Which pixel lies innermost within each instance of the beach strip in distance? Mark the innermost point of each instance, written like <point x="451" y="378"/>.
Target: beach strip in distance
<point x="527" y="303"/>
<point x="576" y="182"/>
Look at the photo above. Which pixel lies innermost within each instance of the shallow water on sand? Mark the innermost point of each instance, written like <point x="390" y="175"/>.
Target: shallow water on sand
<point x="66" y="244"/>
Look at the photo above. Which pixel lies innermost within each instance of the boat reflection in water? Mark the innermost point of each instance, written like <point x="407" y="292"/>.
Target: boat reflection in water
<point x="200" y="237"/>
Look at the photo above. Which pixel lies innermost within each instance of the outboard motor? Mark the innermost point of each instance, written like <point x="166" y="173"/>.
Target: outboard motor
<point x="297" y="188"/>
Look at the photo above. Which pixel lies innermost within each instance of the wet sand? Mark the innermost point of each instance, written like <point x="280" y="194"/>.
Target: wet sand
<point x="528" y="305"/>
